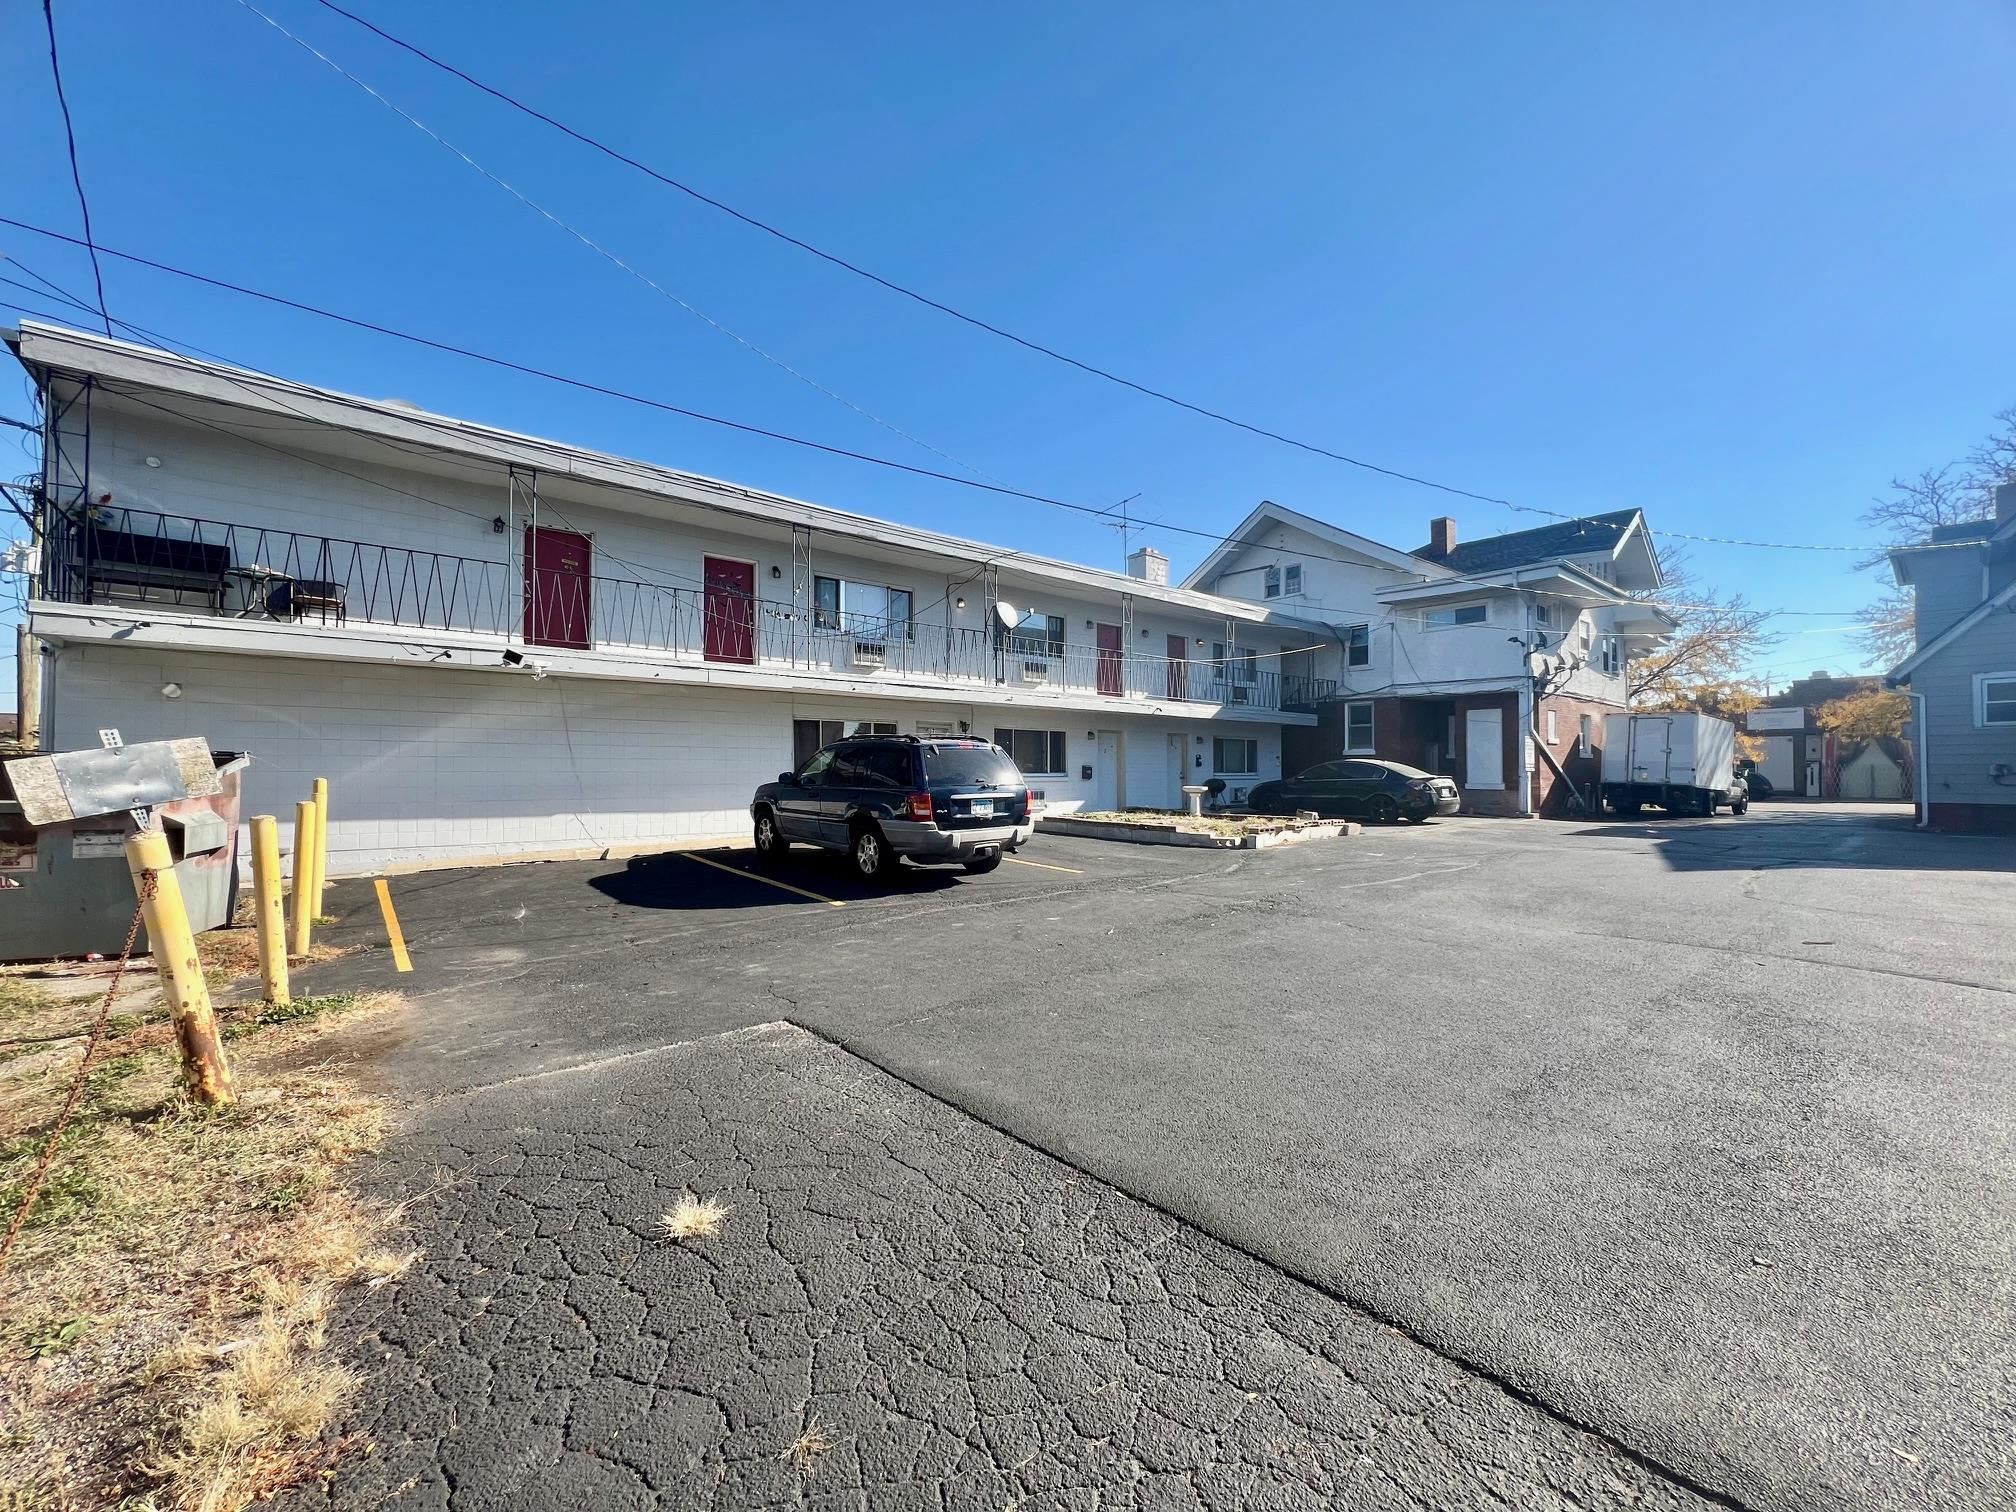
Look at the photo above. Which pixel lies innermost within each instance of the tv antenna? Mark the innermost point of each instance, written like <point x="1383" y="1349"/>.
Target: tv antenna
<point x="1127" y="524"/>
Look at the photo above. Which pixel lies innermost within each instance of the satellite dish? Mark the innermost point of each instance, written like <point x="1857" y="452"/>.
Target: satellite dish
<point x="1007" y="614"/>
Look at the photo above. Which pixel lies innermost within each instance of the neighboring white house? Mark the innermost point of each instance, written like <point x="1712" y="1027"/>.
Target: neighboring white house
<point x="495" y="645"/>
<point x="1435" y="651"/>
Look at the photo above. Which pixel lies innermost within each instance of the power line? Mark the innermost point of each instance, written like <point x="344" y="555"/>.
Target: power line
<point x="587" y="386"/>
<point x="76" y="175"/>
<point x="909" y="293"/>
<point x="649" y="473"/>
<point x="602" y="251"/>
<point x="975" y="321"/>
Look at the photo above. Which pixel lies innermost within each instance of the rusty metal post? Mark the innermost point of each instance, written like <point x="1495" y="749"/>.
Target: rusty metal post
<point x="205" y="1076"/>
<point x="268" y="913"/>
<point x="304" y="877"/>
<point x="321" y="796"/>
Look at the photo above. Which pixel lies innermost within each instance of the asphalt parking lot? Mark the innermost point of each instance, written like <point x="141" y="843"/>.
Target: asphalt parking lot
<point x="1695" y="1133"/>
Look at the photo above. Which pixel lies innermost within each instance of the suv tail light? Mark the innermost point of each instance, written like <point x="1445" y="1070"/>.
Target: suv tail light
<point x="1028" y="800"/>
<point x="918" y="806"/>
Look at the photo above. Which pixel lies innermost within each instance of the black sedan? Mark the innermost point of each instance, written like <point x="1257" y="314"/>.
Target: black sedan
<point x="1360" y="788"/>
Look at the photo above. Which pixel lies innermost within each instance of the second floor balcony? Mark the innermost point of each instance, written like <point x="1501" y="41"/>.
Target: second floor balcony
<point x="554" y="598"/>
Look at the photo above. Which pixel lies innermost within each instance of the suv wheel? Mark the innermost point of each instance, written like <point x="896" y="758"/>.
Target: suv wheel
<point x="989" y="862"/>
<point x="770" y="841"/>
<point x="871" y="853"/>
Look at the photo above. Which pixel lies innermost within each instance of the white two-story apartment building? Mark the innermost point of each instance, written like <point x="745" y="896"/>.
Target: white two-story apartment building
<point x="1493" y="661"/>
<point x="495" y="645"/>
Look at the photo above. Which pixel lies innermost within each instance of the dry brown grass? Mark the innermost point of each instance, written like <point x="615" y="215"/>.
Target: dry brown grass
<point x="804" y="1451"/>
<point x="163" y="1317"/>
<point x="693" y="1217"/>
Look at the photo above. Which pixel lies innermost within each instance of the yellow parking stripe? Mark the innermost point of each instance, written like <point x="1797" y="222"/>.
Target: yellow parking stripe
<point x="803" y="892"/>
<point x="400" y="960"/>
<point x="1018" y="861"/>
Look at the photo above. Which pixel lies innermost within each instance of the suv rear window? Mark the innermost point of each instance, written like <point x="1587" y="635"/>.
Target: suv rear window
<point x="978" y="764"/>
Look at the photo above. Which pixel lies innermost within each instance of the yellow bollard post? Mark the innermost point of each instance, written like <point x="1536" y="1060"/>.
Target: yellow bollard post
<point x="205" y="1077"/>
<point x="268" y="913"/>
<point x="304" y="877"/>
<point x="321" y="797"/>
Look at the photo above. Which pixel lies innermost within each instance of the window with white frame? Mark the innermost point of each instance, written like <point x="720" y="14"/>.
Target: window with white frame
<point x="1037" y="634"/>
<point x="1270" y="582"/>
<point x="1583" y="735"/>
<point x="1291" y="578"/>
<point x="1232" y="756"/>
<point x="1358" y="725"/>
<point x="1039" y="753"/>
<point x="1994" y="698"/>
<point x="865" y="609"/>
<point x="1543" y="613"/>
<point x="1610" y="656"/>
<point x="1358" y="645"/>
<point x="1456" y="614"/>
<point x="1553" y="729"/>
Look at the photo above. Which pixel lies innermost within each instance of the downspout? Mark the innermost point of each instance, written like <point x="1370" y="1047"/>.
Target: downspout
<point x="1924" y="774"/>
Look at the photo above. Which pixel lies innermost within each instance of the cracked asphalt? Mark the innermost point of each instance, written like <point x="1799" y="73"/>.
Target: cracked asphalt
<point x="964" y="1321"/>
<point x="1697" y="1133"/>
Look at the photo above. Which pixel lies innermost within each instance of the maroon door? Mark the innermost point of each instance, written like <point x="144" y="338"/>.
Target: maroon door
<point x="1109" y="659"/>
<point x="559" y="584"/>
<point x="1179" y="667"/>
<point x="730" y="634"/>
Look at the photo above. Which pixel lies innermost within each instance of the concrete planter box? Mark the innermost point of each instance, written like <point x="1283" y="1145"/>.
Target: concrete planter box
<point x="1169" y="834"/>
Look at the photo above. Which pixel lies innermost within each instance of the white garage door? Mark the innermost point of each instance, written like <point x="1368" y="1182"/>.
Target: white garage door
<point x="1484" y="748"/>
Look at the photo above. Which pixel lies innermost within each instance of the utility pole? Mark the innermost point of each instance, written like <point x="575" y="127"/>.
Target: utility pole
<point x="28" y="646"/>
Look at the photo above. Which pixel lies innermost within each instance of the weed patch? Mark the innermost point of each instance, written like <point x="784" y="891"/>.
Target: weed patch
<point x="163" y="1316"/>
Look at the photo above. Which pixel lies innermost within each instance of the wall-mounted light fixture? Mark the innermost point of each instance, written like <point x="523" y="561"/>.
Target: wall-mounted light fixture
<point x="497" y="526"/>
<point x="171" y="690"/>
<point x="153" y="461"/>
<point x="776" y="571"/>
<point x="960" y="602"/>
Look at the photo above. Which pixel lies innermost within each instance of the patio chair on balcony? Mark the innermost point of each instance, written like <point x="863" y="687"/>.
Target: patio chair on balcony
<point x="298" y="598"/>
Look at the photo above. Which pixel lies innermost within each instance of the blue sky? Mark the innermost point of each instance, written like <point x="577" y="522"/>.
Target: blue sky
<point x="1734" y="265"/>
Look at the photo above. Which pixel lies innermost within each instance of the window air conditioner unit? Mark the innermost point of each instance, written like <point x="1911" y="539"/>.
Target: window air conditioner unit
<point x="1035" y="671"/>
<point x="1241" y="693"/>
<point x="870" y="654"/>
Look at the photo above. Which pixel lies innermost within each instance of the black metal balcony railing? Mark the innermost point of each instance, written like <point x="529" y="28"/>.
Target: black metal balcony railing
<point x="250" y="572"/>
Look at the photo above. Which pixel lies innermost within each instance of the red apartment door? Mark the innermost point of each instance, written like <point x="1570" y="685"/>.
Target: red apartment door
<point x="559" y="584"/>
<point x="1109" y="659"/>
<point x="1179" y="667"/>
<point x="730" y="610"/>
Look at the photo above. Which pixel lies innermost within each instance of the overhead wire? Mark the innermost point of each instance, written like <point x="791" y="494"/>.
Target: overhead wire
<point x="1028" y="344"/>
<point x="602" y="251"/>
<point x="647" y="471"/>
<point x="76" y="173"/>
<point x="608" y="391"/>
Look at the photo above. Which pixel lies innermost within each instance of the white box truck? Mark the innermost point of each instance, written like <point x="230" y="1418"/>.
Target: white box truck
<point x="1683" y="763"/>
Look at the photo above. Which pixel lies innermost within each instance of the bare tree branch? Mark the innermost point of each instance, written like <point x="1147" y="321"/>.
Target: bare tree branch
<point x="1716" y="638"/>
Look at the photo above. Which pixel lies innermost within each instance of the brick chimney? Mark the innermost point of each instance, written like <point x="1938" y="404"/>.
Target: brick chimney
<point x="1441" y="536"/>
<point x="1149" y="565"/>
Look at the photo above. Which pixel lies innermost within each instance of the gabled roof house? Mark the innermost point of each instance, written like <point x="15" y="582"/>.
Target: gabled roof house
<point x="1491" y="660"/>
<point x="1962" y="676"/>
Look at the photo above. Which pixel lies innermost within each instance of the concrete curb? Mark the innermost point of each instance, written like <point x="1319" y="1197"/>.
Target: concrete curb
<point x="1169" y="834"/>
